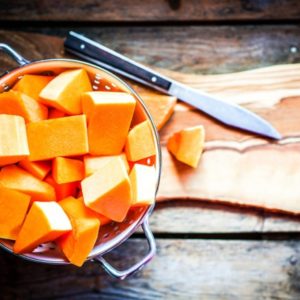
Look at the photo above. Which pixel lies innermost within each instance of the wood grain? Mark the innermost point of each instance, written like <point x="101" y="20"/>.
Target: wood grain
<point x="193" y="269"/>
<point x="272" y="83"/>
<point x="203" y="218"/>
<point x="187" y="49"/>
<point x="154" y="10"/>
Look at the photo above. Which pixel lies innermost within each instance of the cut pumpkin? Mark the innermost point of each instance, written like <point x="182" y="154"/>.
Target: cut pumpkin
<point x="103" y="220"/>
<point x="140" y="142"/>
<point x="109" y="115"/>
<point x="64" y="190"/>
<point x="161" y="107"/>
<point x="187" y="145"/>
<point x="45" y="222"/>
<point x="38" y="169"/>
<point x="16" y="103"/>
<point x="13" y="207"/>
<point x="64" y="91"/>
<point x="66" y="170"/>
<point x="32" y="85"/>
<point x="13" y="139"/>
<point x="60" y="137"/>
<point x="94" y="163"/>
<point x="143" y="186"/>
<point x="78" y="243"/>
<point x="108" y="190"/>
<point x="15" y="178"/>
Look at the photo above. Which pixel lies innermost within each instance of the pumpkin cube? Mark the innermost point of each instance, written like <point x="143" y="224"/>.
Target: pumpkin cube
<point x="143" y="184"/>
<point x="109" y="116"/>
<point x="140" y="142"/>
<point x="13" y="207"/>
<point x="57" y="137"/>
<point x="78" y="243"/>
<point x="94" y="163"/>
<point x="187" y="145"/>
<point x="16" y="103"/>
<point x="13" y="177"/>
<point x="63" y="190"/>
<point x="64" y="91"/>
<point x="108" y="190"/>
<point x="38" y="169"/>
<point x="66" y="170"/>
<point x="45" y="222"/>
<point x="32" y="85"/>
<point x="13" y="145"/>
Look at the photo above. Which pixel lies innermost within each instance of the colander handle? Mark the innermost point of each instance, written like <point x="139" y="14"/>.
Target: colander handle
<point x="14" y="54"/>
<point x="122" y="274"/>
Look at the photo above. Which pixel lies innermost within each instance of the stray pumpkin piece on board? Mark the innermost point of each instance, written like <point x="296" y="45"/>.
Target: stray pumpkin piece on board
<point x="161" y="107"/>
<point x="187" y="145"/>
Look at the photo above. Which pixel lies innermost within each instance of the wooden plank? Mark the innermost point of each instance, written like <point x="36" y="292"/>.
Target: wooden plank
<point x="182" y="269"/>
<point x="192" y="49"/>
<point x="191" y="217"/>
<point x="154" y="10"/>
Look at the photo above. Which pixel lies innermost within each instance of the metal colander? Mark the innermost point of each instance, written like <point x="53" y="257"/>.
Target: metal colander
<point x="112" y="234"/>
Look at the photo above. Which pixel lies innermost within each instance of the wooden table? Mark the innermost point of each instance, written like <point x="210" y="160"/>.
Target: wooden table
<point x="205" y="251"/>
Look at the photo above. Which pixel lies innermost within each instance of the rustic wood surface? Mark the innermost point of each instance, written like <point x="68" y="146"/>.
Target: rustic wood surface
<point x="185" y="268"/>
<point x="205" y="250"/>
<point x="187" y="49"/>
<point x="154" y="10"/>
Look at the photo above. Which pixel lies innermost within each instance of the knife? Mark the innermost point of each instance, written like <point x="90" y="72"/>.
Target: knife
<point x="227" y="113"/>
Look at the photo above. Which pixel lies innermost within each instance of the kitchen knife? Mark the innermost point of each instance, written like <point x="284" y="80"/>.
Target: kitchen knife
<point x="227" y="113"/>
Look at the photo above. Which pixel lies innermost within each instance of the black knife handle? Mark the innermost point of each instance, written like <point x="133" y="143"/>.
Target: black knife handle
<point x="89" y="49"/>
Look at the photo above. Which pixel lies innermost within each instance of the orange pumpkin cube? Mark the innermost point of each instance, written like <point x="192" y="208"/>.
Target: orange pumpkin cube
<point x="15" y="178"/>
<point x="13" y="207"/>
<point x="161" y="108"/>
<point x="108" y="190"/>
<point x="94" y="163"/>
<point x="64" y="91"/>
<point x="78" y="243"/>
<point x="187" y="145"/>
<point x="16" y="103"/>
<point x="63" y="190"/>
<point x="45" y="222"/>
<point x="66" y="170"/>
<point x="57" y="137"/>
<point x="13" y="145"/>
<point x="140" y="142"/>
<point x="109" y="116"/>
<point x="32" y="85"/>
<point x="143" y="185"/>
<point x="38" y="169"/>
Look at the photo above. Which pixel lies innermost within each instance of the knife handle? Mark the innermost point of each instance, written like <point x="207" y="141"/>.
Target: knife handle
<point x="113" y="61"/>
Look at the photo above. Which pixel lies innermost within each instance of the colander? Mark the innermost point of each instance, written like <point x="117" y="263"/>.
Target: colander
<point x="113" y="234"/>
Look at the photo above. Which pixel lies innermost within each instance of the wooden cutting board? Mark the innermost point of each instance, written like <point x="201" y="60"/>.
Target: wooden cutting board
<point x="236" y="167"/>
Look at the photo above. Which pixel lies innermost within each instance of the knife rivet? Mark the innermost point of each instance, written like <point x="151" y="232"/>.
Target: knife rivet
<point x="82" y="46"/>
<point x="153" y="79"/>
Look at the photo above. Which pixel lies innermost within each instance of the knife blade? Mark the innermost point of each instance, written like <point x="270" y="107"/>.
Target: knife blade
<point x="227" y="113"/>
